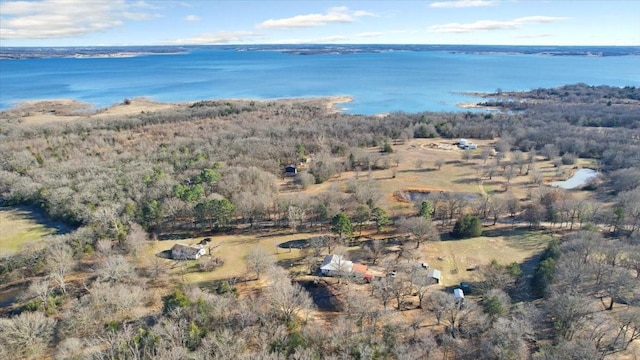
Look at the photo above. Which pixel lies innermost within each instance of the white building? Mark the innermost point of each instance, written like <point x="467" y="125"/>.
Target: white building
<point x="184" y="252"/>
<point x="335" y="265"/>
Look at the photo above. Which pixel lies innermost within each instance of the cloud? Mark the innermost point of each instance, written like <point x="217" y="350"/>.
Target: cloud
<point x="139" y="16"/>
<point x="487" y="25"/>
<point x="369" y="34"/>
<point x="462" y="3"/>
<point x="536" y="36"/>
<point x="360" y="13"/>
<point x="221" y="37"/>
<point x="192" y="18"/>
<point x="340" y="14"/>
<point x="66" y="18"/>
<point x="324" y="40"/>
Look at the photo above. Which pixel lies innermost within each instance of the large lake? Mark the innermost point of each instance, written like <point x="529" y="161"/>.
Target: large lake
<point x="385" y="80"/>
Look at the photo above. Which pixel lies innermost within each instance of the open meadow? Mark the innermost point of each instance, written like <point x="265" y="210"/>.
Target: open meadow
<point x="21" y="227"/>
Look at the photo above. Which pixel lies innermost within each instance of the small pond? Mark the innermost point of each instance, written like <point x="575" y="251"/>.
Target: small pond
<point x="580" y="178"/>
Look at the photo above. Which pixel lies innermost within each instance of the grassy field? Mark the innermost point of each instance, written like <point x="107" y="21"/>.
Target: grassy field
<point x="232" y="249"/>
<point x="19" y="226"/>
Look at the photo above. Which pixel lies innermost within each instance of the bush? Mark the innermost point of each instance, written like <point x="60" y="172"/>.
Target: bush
<point x="423" y="131"/>
<point x="175" y="300"/>
<point x="467" y="227"/>
<point x="224" y="287"/>
<point x="568" y="159"/>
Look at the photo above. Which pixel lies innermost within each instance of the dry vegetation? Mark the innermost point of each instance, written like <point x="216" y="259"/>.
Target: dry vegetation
<point x="136" y="179"/>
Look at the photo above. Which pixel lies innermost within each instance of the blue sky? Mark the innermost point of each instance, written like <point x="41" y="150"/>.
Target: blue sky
<point x="168" y="22"/>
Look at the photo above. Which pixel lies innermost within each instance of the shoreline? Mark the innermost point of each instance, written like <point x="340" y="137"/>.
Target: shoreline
<point x="473" y="105"/>
<point x="41" y="111"/>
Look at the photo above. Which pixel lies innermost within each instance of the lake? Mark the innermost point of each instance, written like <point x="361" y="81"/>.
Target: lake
<point x="380" y="80"/>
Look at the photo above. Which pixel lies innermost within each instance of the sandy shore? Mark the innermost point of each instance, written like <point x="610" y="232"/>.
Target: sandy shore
<point x="333" y="101"/>
<point x="472" y="105"/>
<point x="35" y="112"/>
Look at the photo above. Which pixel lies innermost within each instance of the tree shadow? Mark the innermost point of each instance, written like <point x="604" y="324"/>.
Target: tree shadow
<point x="166" y="254"/>
<point x="295" y="244"/>
<point x="425" y="170"/>
<point x="290" y="263"/>
<point x="522" y="289"/>
<point x="37" y="215"/>
<point x="465" y="180"/>
<point x="322" y="295"/>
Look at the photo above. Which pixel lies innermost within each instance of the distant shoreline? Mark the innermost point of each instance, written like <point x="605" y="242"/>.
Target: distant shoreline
<point x="81" y="52"/>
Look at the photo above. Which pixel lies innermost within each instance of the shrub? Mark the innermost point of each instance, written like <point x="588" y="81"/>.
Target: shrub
<point x="568" y="159"/>
<point x="175" y="300"/>
<point x="424" y="131"/>
<point x="467" y="227"/>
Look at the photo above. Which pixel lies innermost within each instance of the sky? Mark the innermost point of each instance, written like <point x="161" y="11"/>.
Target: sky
<point x="211" y="22"/>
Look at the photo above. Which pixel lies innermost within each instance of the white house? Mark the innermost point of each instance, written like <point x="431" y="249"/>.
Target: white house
<point x="335" y="265"/>
<point x="184" y="252"/>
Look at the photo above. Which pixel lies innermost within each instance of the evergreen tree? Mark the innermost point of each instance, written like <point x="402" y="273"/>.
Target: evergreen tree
<point x="341" y="225"/>
<point x="467" y="227"/>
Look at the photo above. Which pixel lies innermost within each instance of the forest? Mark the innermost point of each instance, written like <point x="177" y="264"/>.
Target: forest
<point x="216" y="168"/>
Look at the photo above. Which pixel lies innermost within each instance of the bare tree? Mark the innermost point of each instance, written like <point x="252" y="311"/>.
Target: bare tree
<point x="40" y="289"/>
<point x="73" y="348"/>
<point x="258" y="260"/>
<point x="60" y="262"/>
<point x="569" y="312"/>
<point x="136" y="239"/>
<point x="158" y="271"/>
<point x="295" y="216"/>
<point x="505" y="341"/>
<point x="28" y="334"/>
<point x="116" y="268"/>
<point x="104" y="247"/>
<point x="420" y="282"/>
<point x="375" y="249"/>
<point x="222" y="345"/>
<point x="287" y="299"/>
<point x="420" y="228"/>
<point x="439" y="303"/>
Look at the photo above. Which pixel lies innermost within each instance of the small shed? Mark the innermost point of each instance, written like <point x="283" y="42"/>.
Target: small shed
<point x="184" y="251"/>
<point x="435" y="274"/>
<point x="290" y="170"/>
<point x="458" y="294"/>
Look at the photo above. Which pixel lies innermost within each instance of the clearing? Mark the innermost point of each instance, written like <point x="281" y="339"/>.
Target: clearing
<point x="21" y="225"/>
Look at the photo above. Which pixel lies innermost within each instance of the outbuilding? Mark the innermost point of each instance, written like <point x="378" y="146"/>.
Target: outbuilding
<point x="187" y="252"/>
<point x="458" y="294"/>
<point x="435" y="275"/>
<point x="290" y="170"/>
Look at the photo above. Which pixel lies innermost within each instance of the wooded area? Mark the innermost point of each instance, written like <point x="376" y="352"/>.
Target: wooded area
<point x="115" y="184"/>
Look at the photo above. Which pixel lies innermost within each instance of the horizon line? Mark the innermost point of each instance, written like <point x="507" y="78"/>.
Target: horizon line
<point x="307" y="44"/>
